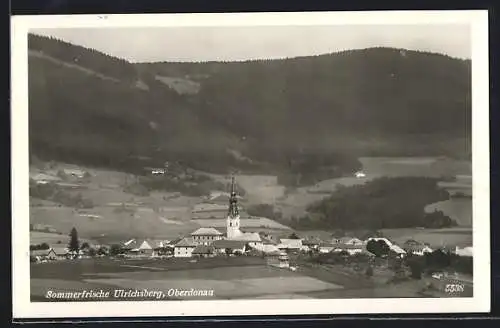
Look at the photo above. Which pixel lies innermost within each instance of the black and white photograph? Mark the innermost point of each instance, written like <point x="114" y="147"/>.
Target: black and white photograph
<point x="305" y="162"/>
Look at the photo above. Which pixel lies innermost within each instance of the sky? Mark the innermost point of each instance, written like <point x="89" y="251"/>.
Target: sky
<point x="187" y="44"/>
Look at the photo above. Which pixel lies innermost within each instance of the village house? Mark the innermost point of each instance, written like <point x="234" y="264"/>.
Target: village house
<point x="326" y="247"/>
<point x="185" y="247"/>
<point x="204" y="251"/>
<point x="225" y="246"/>
<point x="349" y="249"/>
<point x="51" y="254"/>
<point x="387" y="241"/>
<point x="144" y="247"/>
<point x="398" y="251"/>
<point x="206" y="236"/>
<point x="290" y="244"/>
<point x="348" y="241"/>
<point x="267" y="245"/>
<point x="418" y="250"/>
<point x="309" y="244"/>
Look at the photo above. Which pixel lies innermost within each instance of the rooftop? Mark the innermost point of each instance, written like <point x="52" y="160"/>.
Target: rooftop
<point x="204" y="249"/>
<point x="226" y="243"/>
<point x="186" y="242"/>
<point x="206" y="232"/>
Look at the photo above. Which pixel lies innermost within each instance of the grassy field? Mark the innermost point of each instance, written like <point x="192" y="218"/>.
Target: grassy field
<point x="167" y="216"/>
<point x="53" y="239"/>
<point x="229" y="277"/>
<point x="459" y="209"/>
<point x="296" y="202"/>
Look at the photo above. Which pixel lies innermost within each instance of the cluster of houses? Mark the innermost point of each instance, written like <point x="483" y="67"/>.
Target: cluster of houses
<point x="211" y="242"/>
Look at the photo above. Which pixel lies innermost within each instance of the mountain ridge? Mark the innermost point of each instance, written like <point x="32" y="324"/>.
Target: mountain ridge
<point x="346" y="103"/>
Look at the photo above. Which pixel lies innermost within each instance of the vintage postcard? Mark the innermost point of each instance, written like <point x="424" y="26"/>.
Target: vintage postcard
<point x="250" y="164"/>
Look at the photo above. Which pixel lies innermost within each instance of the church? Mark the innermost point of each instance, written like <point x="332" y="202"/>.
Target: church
<point x="233" y="239"/>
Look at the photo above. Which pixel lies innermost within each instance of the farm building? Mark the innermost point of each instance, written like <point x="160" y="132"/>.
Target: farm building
<point x="50" y="254"/>
<point x="204" y="251"/>
<point x="350" y="249"/>
<point x="348" y="241"/>
<point x="143" y="247"/>
<point x="185" y="247"/>
<point x="419" y="250"/>
<point x="397" y="250"/>
<point x="387" y="241"/>
<point x="326" y="247"/>
<point x="310" y="244"/>
<point x="290" y="244"/>
<point x="224" y="246"/>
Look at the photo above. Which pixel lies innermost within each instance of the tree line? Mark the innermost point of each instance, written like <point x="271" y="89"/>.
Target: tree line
<point x="382" y="203"/>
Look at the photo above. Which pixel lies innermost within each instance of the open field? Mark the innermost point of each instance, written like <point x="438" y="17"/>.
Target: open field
<point x="165" y="215"/>
<point x="235" y="279"/>
<point x="229" y="278"/>
<point x="459" y="209"/>
<point x="296" y="202"/>
<point x="52" y="239"/>
<point x="132" y="222"/>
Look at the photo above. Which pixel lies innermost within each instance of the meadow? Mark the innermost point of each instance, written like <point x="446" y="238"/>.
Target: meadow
<point x="230" y="278"/>
<point x="165" y="215"/>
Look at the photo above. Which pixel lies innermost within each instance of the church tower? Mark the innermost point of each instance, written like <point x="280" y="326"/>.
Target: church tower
<point x="233" y="215"/>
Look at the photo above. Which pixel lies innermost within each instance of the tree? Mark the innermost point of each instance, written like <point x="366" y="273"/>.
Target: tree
<point x="293" y="235"/>
<point x="378" y="247"/>
<point x="115" y="250"/>
<point x="91" y="251"/>
<point x="102" y="251"/>
<point x="229" y="251"/>
<point x="74" y="244"/>
<point x="85" y="245"/>
<point x="44" y="246"/>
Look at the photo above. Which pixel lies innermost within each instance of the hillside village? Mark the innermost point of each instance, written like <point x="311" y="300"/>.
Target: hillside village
<point x="189" y="179"/>
<point x="278" y="250"/>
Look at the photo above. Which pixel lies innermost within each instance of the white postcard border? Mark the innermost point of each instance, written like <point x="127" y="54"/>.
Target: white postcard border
<point x="480" y="302"/>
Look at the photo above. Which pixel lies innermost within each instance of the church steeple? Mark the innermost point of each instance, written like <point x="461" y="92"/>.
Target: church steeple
<point x="233" y="215"/>
<point x="233" y="201"/>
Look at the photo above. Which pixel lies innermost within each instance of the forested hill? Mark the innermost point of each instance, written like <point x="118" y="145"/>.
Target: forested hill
<point x="376" y="94"/>
<point x="377" y="101"/>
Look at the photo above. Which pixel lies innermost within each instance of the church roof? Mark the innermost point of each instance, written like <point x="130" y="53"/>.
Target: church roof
<point x="206" y="232"/>
<point x="228" y="243"/>
<point x="248" y="236"/>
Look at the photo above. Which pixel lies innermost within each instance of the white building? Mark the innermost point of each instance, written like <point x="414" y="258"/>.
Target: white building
<point x="206" y="236"/>
<point x="185" y="247"/>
